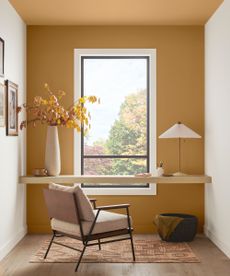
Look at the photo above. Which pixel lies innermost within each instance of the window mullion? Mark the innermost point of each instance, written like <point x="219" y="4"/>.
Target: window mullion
<point x="116" y="156"/>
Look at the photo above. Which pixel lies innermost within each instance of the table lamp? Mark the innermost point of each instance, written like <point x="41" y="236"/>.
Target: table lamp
<point x="179" y="131"/>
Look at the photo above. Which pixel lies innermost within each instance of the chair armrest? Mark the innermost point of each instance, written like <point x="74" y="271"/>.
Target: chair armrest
<point x="108" y="207"/>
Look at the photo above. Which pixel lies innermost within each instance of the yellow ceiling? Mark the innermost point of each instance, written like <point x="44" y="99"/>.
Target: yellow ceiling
<point x="115" y="12"/>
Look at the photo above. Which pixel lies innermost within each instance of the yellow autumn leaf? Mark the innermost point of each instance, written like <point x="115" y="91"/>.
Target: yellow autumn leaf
<point x="82" y="100"/>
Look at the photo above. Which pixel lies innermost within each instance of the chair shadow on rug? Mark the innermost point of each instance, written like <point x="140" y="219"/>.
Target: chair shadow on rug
<point x="71" y="215"/>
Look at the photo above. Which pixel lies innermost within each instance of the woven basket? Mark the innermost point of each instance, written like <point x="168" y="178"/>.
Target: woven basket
<point x="186" y="230"/>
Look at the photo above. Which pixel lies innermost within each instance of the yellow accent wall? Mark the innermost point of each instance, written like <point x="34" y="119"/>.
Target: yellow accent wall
<point x="180" y="97"/>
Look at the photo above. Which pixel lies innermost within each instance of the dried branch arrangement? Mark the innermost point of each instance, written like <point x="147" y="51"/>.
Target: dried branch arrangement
<point x="49" y="111"/>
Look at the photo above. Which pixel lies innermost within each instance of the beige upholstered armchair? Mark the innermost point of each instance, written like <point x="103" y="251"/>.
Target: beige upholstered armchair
<point x="72" y="215"/>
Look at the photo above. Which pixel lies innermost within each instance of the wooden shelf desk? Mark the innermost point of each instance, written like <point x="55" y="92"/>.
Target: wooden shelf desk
<point x="122" y="179"/>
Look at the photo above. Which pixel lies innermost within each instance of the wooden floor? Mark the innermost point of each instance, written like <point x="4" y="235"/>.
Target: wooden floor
<point x="213" y="263"/>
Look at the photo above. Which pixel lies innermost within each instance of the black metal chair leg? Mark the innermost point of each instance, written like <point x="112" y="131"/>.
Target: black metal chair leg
<point x="87" y="239"/>
<point x="99" y="244"/>
<point x="79" y="261"/>
<point x="48" y="249"/>
<point x="130" y="233"/>
<point x="132" y="245"/>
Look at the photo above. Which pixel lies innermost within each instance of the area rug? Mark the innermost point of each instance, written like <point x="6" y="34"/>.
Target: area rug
<point x="146" y="250"/>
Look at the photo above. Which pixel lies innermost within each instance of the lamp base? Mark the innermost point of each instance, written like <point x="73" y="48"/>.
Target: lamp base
<point x="179" y="174"/>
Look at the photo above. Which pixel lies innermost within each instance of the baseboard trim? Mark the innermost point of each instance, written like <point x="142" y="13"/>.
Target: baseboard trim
<point x="9" y="245"/>
<point x="220" y="244"/>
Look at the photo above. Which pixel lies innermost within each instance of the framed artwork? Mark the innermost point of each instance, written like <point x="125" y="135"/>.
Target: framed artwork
<point x="11" y="108"/>
<point x="1" y="57"/>
<point x="2" y="105"/>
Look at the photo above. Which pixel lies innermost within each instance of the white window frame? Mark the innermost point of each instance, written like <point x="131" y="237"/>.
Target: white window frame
<point x="151" y="53"/>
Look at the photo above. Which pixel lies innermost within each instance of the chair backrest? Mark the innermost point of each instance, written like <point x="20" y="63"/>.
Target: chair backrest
<point x="61" y="205"/>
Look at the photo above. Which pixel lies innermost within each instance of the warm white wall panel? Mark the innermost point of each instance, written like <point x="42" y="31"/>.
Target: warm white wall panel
<point x="12" y="149"/>
<point x="217" y="127"/>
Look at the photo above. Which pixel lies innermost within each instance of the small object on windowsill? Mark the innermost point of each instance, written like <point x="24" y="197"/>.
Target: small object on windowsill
<point x="167" y="175"/>
<point x="160" y="169"/>
<point x="143" y="175"/>
<point x="40" y="172"/>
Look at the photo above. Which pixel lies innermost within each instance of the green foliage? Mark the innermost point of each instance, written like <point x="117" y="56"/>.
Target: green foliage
<point x="121" y="139"/>
<point x="127" y="136"/>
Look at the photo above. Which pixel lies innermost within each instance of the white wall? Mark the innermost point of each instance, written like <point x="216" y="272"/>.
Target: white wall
<point x="12" y="149"/>
<point x="217" y="129"/>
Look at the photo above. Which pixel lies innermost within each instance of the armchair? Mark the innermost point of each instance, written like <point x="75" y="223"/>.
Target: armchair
<point x="68" y="218"/>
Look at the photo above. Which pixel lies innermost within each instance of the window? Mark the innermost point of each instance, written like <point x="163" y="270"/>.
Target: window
<point x="122" y="136"/>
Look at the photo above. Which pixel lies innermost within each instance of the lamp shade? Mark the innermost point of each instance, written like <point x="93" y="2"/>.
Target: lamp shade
<point x="179" y="130"/>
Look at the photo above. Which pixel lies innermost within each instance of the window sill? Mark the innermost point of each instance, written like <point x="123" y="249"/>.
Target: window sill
<point x="151" y="190"/>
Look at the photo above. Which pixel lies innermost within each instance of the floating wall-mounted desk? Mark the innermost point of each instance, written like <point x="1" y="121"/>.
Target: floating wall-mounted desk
<point x="95" y="179"/>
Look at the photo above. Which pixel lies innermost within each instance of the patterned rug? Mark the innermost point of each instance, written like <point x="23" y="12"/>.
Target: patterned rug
<point x="146" y="250"/>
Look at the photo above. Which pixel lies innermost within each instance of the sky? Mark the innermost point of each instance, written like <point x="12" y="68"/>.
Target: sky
<point x="111" y="80"/>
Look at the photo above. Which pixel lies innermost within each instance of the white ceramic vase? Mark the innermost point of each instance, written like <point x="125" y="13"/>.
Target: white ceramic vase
<point x="52" y="154"/>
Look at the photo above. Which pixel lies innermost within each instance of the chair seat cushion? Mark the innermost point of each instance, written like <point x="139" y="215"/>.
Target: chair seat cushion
<point x="106" y="221"/>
